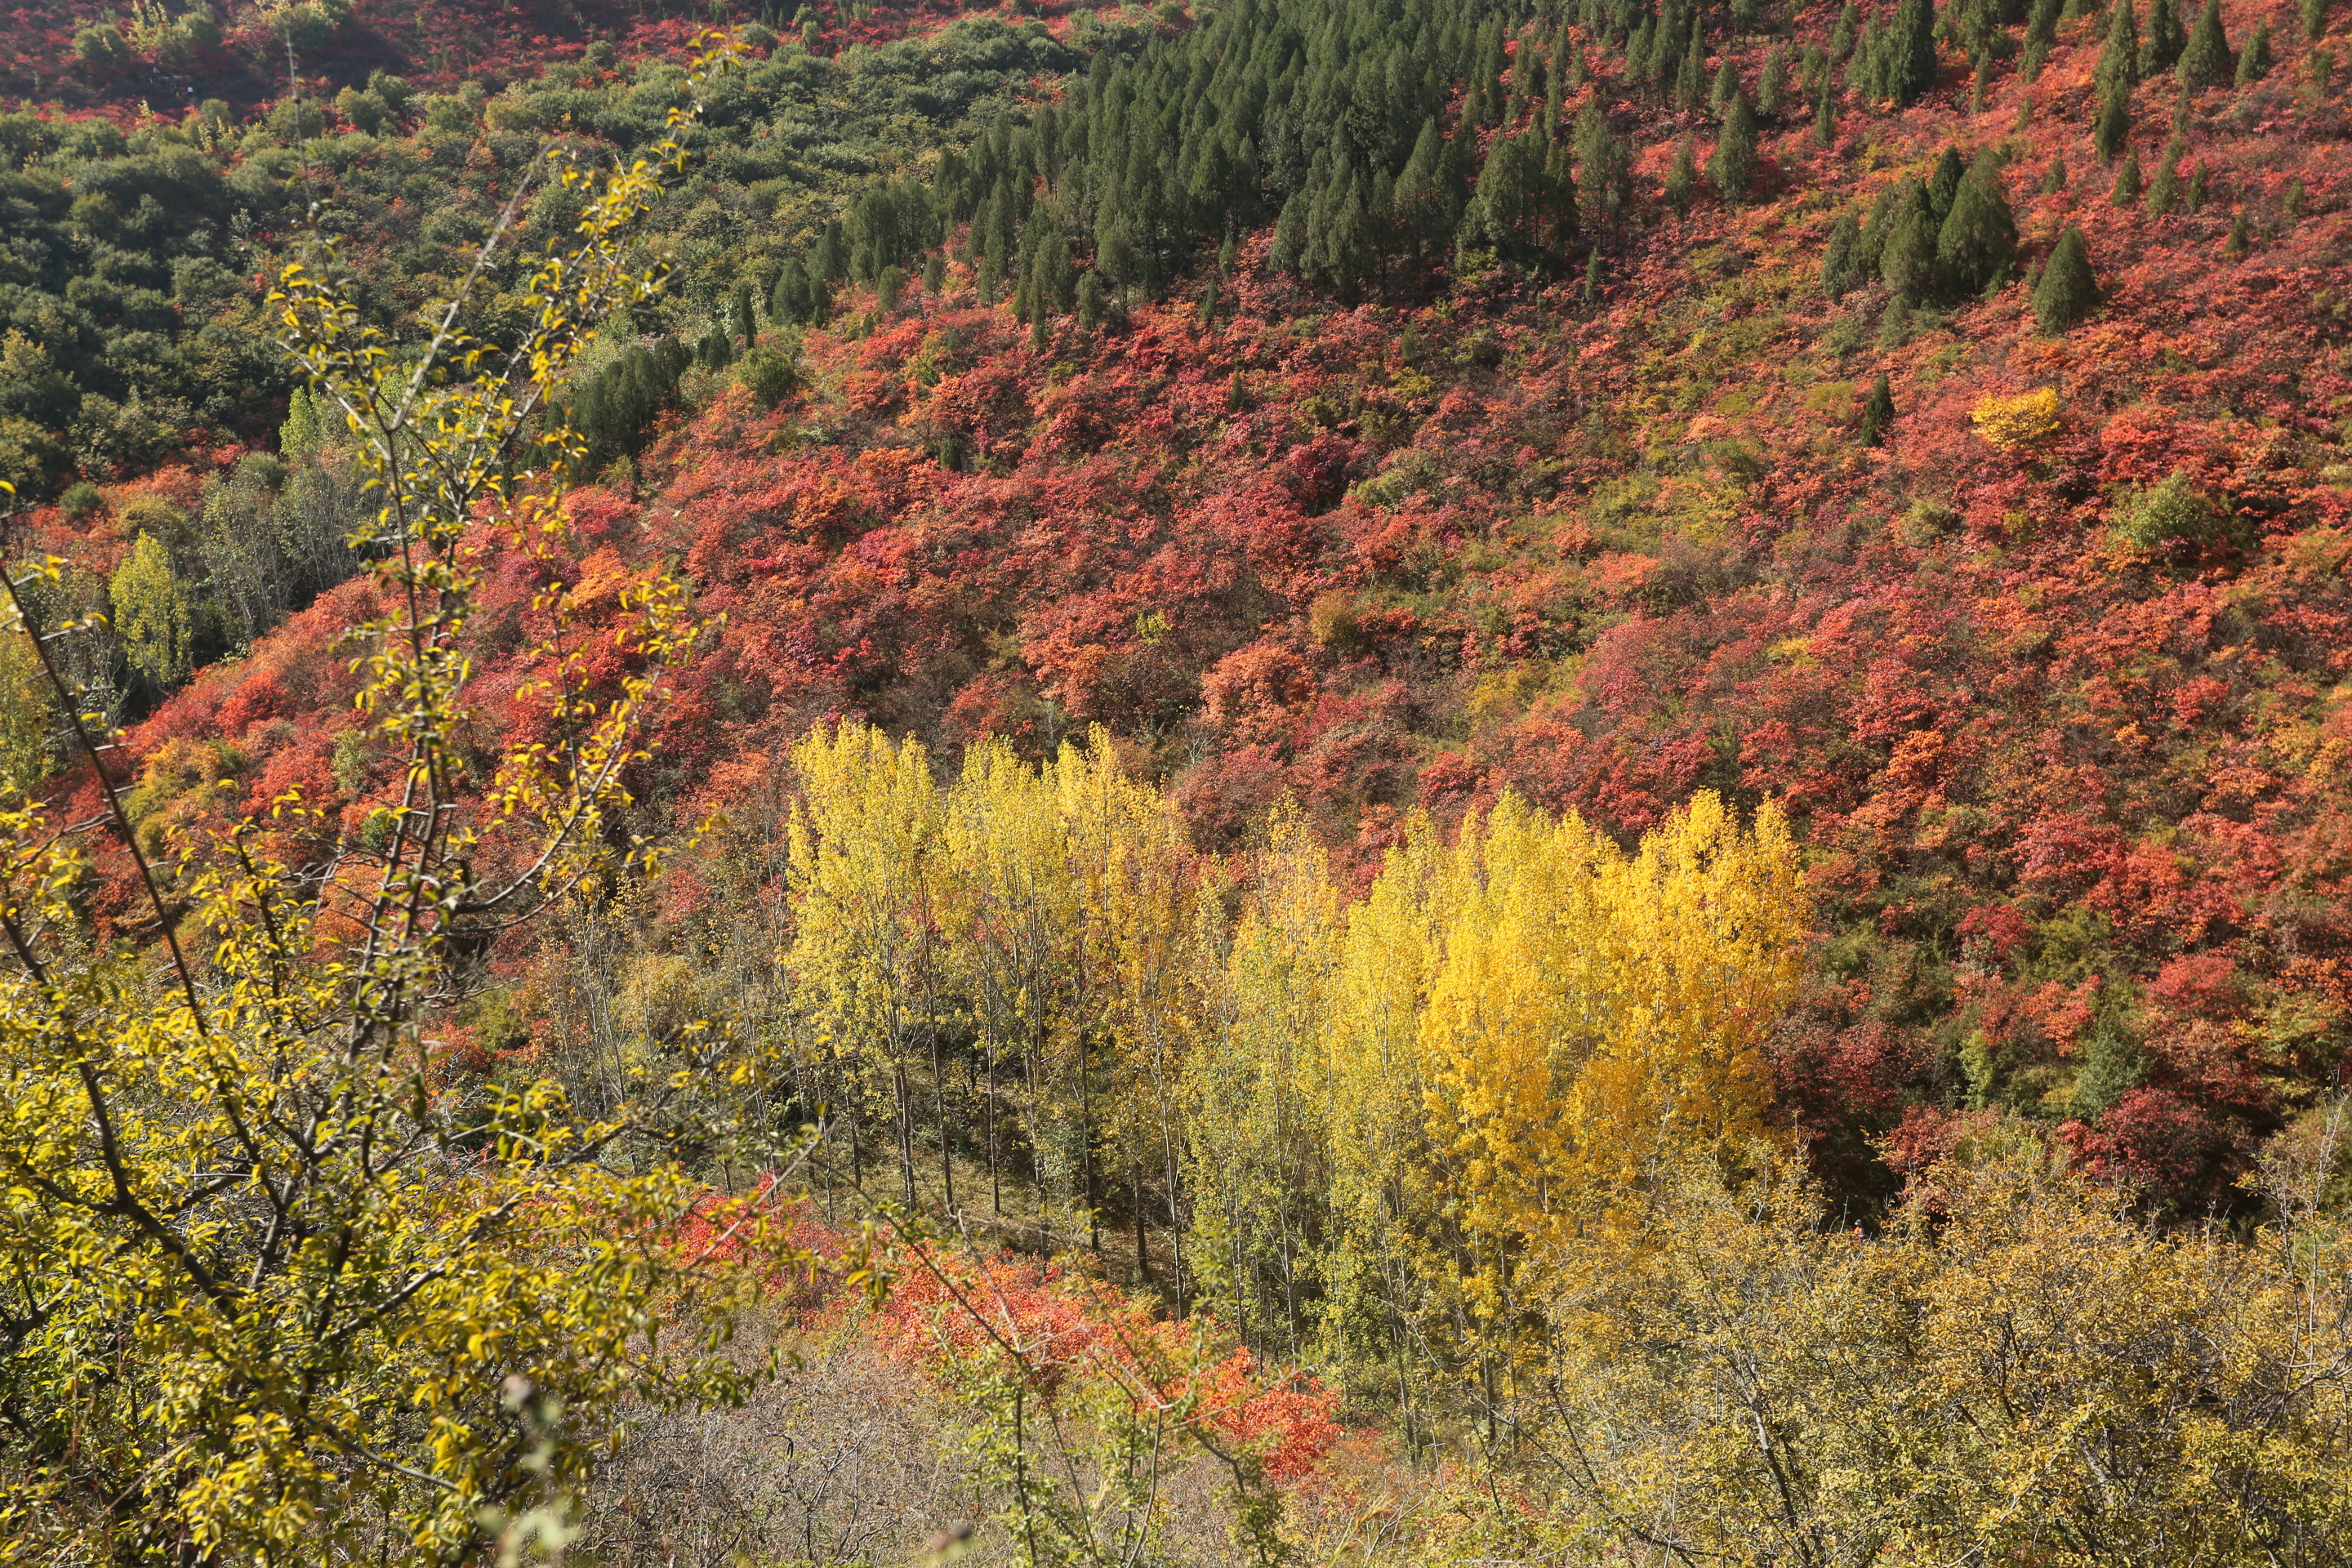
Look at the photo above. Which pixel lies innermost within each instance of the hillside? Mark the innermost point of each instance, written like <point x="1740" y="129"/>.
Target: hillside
<point x="2074" y="793"/>
<point x="1363" y="417"/>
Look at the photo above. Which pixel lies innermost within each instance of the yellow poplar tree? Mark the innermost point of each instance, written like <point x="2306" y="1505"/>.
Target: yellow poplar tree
<point x="866" y="845"/>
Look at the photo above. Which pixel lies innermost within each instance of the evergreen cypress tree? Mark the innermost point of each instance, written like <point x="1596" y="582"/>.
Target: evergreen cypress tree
<point x="790" y="300"/>
<point x="1944" y="185"/>
<point x="1848" y="31"/>
<point x="1841" y="270"/>
<point x="1907" y="265"/>
<point x="935" y="276"/>
<point x="2207" y="60"/>
<point x="830" y="260"/>
<point x="1914" y="59"/>
<point x="2054" y="180"/>
<point x="2314" y="20"/>
<point x="2164" y="191"/>
<point x="1418" y="204"/>
<point x="2112" y="129"/>
<point x="1094" y="302"/>
<point x="2068" y="291"/>
<point x="2041" y="32"/>
<point x="1592" y="276"/>
<point x="1878" y="412"/>
<point x="2255" y="61"/>
<point x="2127" y="187"/>
<point x="2165" y="38"/>
<point x="1726" y="89"/>
<point x="1289" y="234"/>
<point x="2120" y="56"/>
<point x="1976" y="249"/>
<point x="1733" y="167"/>
<point x="2194" y="199"/>
<point x="1682" y="180"/>
<point x="1825" y="119"/>
<point x="1690" y="82"/>
<point x="1980" y="80"/>
<point x="2242" y="235"/>
<point x="747" y="320"/>
<point x="1772" y="87"/>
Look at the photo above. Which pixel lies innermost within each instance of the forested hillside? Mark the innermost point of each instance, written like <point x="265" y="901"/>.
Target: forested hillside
<point x="1476" y="702"/>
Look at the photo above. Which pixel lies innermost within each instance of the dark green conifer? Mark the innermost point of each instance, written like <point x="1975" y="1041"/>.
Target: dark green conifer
<point x="747" y="319"/>
<point x="1733" y="167"/>
<point x="2195" y="198"/>
<point x="1682" y="180"/>
<point x="2164" y="191"/>
<point x="2112" y="128"/>
<point x="1907" y="264"/>
<point x="1825" y="119"/>
<point x="2127" y="187"/>
<point x="2254" y="60"/>
<point x="1840" y="271"/>
<point x="2314" y="20"/>
<point x="2207" y="60"/>
<point x="1772" y="87"/>
<point x="1726" y="89"/>
<point x="2066" y="293"/>
<point x="1877" y="411"/>
<point x="1981" y="81"/>
<point x="1977" y="247"/>
<point x="2054" y="180"/>
<point x="1944" y="185"/>
<point x="2119" y="55"/>
<point x="1690" y="82"/>
<point x="2041" y="32"/>
<point x="2166" y="36"/>
<point x="1592" y="276"/>
<point x="1914" y="43"/>
<point x="2242" y="235"/>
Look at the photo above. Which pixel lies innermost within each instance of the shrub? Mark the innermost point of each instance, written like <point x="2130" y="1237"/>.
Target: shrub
<point x="2013" y="424"/>
<point x="2175" y="512"/>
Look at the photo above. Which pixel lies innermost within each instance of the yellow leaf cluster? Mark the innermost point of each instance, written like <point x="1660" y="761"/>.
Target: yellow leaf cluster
<point x="2016" y="424"/>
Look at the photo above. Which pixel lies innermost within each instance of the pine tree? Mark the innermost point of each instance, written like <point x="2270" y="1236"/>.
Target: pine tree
<point x="2112" y="129"/>
<point x="1682" y="180"/>
<point x="1914" y="43"/>
<point x="1726" y="89"/>
<point x="1878" y="412"/>
<point x="2041" y="32"/>
<point x="2195" y="198"/>
<point x="1981" y="81"/>
<point x="2241" y="234"/>
<point x="1825" y="119"/>
<point x="1690" y="82"/>
<point x="1733" y="167"/>
<point x="2127" y="187"/>
<point x="1976" y="249"/>
<point x="2314" y="20"/>
<point x="1944" y="185"/>
<point x="2255" y="61"/>
<point x="2054" y="180"/>
<point x="2165" y="38"/>
<point x="747" y="322"/>
<point x="1841" y="269"/>
<point x="2207" y="60"/>
<point x="1592" y="276"/>
<point x="1772" y="87"/>
<point x="2164" y="191"/>
<point x="2120" y="56"/>
<point x="2066" y="293"/>
<point x="1907" y="265"/>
